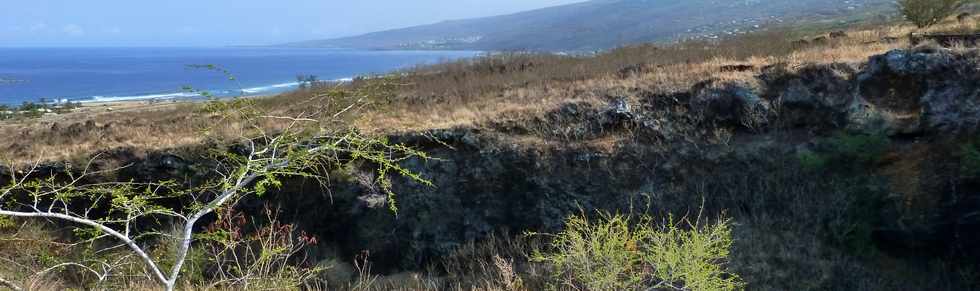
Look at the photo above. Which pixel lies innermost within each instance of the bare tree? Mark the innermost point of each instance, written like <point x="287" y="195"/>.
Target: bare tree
<point x="925" y="13"/>
<point x="301" y="147"/>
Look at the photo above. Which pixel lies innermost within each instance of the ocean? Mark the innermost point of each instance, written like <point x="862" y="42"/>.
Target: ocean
<point x="114" y="74"/>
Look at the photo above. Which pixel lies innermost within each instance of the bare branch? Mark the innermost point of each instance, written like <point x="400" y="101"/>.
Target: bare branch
<point x="11" y="285"/>
<point x="293" y="150"/>
<point x="101" y="276"/>
<point x="94" y="224"/>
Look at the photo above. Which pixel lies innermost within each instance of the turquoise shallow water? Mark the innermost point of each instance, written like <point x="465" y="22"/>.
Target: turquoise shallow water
<point x="107" y="74"/>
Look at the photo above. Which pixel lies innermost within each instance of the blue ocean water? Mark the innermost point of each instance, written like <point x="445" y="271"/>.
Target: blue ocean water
<point x="108" y="74"/>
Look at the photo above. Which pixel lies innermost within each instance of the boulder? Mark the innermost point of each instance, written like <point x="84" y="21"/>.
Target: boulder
<point x="928" y="88"/>
<point x="730" y="103"/>
<point x="921" y="60"/>
<point x="619" y="112"/>
<point x="814" y="95"/>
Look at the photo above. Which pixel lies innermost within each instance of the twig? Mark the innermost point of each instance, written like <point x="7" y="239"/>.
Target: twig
<point x="10" y="285"/>
<point x="289" y="118"/>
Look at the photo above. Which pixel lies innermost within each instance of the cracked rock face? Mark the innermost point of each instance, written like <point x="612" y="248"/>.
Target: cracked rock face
<point x="730" y="103"/>
<point x="815" y="95"/>
<point x="924" y="89"/>
<point x="485" y="187"/>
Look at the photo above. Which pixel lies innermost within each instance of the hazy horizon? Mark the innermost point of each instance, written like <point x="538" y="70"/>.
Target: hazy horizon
<point x="113" y="23"/>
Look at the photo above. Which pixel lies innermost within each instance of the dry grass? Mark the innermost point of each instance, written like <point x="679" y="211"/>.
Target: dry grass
<point x="472" y="93"/>
<point x="84" y="133"/>
<point x="464" y="93"/>
<point x="490" y="90"/>
<point x="650" y="69"/>
<point x="139" y="126"/>
<point x="28" y="248"/>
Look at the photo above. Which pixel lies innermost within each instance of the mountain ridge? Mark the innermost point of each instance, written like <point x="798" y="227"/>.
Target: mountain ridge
<point x="602" y="24"/>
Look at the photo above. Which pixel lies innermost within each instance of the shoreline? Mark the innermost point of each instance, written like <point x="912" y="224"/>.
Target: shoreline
<point x="95" y="108"/>
<point x="130" y="104"/>
<point x="251" y="92"/>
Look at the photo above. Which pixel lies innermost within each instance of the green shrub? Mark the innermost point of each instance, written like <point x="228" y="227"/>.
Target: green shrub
<point x="811" y="161"/>
<point x="859" y="148"/>
<point x="7" y="223"/>
<point x="6" y="112"/>
<point x="925" y="13"/>
<point x="600" y="256"/>
<point x="619" y="252"/>
<point x="846" y="152"/>
<point x="970" y="161"/>
<point x="857" y="214"/>
<point x="692" y="256"/>
<point x="848" y="161"/>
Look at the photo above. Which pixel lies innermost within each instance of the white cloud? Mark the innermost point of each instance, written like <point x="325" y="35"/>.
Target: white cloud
<point x="73" y="30"/>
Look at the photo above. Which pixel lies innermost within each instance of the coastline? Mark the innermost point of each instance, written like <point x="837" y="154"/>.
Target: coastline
<point x="123" y="73"/>
<point x="251" y="92"/>
<point x="95" y="108"/>
<point x="129" y="105"/>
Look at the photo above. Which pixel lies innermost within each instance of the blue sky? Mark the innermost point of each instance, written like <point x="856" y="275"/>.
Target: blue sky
<point x="226" y="22"/>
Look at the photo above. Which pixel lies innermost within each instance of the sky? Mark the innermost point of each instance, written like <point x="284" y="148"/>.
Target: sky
<point x="226" y="22"/>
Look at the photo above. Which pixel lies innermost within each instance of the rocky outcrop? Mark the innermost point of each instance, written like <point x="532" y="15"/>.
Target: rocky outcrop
<point x="483" y="187"/>
<point x="923" y="91"/>
<point x="487" y="183"/>
<point x="722" y="145"/>
<point x="731" y="104"/>
<point x="815" y="95"/>
<point x="928" y="89"/>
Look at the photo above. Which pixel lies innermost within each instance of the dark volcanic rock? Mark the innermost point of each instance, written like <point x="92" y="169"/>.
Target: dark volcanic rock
<point x="478" y="192"/>
<point x="815" y="95"/>
<point x="619" y="113"/>
<point x="736" y="68"/>
<point x="485" y="183"/>
<point x="732" y="104"/>
<point x="493" y="186"/>
<point x="926" y="89"/>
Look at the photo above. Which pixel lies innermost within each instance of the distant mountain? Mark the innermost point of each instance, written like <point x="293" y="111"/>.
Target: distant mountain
<point x="600" y="24"/>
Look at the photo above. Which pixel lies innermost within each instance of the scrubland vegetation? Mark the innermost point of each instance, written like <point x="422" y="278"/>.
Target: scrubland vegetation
<point x="748" y="202"/>
<point x="35" y="110"/>
<point x="927" y="13"/>
<point x="473" y="91"/>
